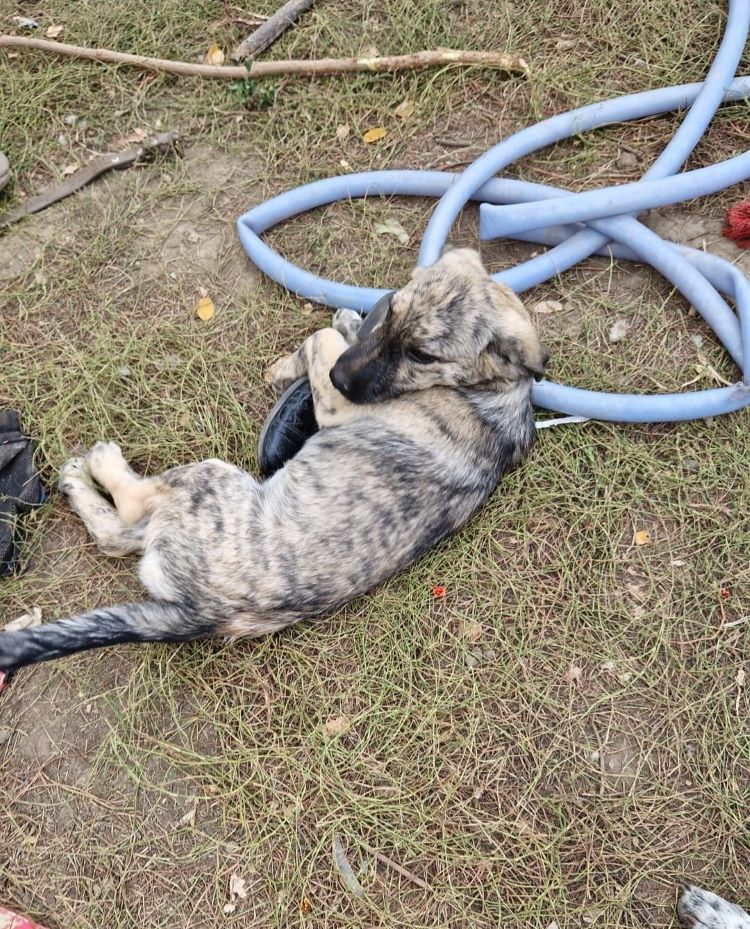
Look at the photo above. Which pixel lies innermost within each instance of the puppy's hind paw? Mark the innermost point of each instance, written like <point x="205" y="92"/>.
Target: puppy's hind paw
<point x="701" y="909"/>
<point x="72" y="473"/>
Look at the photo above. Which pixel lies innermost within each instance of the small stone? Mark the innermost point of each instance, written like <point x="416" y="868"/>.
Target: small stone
<point x="70" y="119"/>
<point x="627" y="161"/>
<point x="62" y="139"/>
<point x="490" y="654"/>
<point x="690" y="465"/>
<point x="5" y="734"/>
<point x="124" y="372"/>
<point x="471" y="661"/>
<point x="619" y="330"/>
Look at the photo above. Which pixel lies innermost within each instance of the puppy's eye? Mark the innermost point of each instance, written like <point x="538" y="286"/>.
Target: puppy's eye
<point x="421" y="358"/>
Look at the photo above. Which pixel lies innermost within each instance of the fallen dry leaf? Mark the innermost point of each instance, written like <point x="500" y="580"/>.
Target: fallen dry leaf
<point x="34" y="618"/>
<point x="546" y="306"/>
<point x="342" y="132"/>
<point x="52" y="32"/>
<point x="474" y="632"/>
<point x="214" y="56"/>
<point x="137" y="135"/>
<point x="642" y="537"/>
<point x="404" y="109"/>
<point x="574" y="674"/>
<point x="68" y="170"/>
<point x="740" y="682"/>
<point x="237" y="886"/>
<point x="336" y="725"/>
<point x="374" y="135"/>
<point x="345" y="869"/>
<point x="189" y="818"/>
<point x="392" y="227"/>
<point x="205" y="309"/>
<point x="237" y="891"/>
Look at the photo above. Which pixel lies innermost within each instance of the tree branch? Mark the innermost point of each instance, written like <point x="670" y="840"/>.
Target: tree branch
<point x="271" y="29"/>
<point x="500" y="61"/>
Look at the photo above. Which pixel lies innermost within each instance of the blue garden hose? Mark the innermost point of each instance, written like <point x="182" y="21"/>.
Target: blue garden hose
<point x="574" y="225"/>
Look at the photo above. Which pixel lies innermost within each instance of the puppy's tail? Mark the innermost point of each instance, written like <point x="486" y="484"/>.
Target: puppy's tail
<point x="151" y="621"/>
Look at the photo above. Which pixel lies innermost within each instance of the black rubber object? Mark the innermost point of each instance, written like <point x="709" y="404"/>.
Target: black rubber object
<point x="291" y="421"/>
<point x="20" y="486"/>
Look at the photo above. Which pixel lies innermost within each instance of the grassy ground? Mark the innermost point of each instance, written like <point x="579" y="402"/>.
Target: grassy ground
<point x="561" y="738"/>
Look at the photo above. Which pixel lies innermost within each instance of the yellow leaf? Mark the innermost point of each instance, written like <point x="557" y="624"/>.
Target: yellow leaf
<point x="214" y="56"/>
<point x="205" y="309"/>
<point x="374" y="135"/>
<point x="54" y="31"/>
<point x="642" y="537"/>
<point x="405" y="109"/>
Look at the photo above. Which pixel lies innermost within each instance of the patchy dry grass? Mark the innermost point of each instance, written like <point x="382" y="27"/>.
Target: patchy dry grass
<point x="562" y="737"/>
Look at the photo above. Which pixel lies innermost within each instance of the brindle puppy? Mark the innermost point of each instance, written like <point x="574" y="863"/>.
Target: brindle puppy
<point x="426" y="415"/>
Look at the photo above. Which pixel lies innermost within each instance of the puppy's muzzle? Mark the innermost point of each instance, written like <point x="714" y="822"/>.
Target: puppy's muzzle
<point x="360" y="373"/>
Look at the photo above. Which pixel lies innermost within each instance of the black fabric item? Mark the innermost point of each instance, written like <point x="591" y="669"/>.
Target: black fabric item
<point x="20" y="486"/>
<point x="291" y="422"/>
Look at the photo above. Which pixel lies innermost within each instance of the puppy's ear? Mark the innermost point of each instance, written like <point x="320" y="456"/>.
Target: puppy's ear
<point x="515" y="339"/>
<point x="520" y="351"/>
<point x="457" y="260"/>
<point x="463" y="260"/>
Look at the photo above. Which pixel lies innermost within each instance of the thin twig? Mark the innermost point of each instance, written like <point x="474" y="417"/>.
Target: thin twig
<point x="165" y="143"/>
<point x="396" y="867"/>
<point x="274" y="26"/>
<point x="500" y="61"/>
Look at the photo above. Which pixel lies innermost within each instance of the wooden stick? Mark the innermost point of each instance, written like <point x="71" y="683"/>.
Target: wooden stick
<point x="165" y="142"/>
<point x="498" y="60"/>
<point x="396" y="867"/>
<point x="271" y="29"/>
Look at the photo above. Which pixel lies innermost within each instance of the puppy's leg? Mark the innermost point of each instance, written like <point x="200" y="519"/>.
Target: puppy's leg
<point x="284" y="372"/>
<point x="134" y="496"/>
<point x="701" y="909"/>
<point x="105" y="527"/>
<point x="320" y="353"/>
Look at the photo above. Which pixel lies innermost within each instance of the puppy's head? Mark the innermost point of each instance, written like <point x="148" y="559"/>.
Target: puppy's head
<point x="451" y="326"/>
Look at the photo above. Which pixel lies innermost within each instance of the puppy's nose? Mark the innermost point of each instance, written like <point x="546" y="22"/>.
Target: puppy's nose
<point x="339" y="379"/>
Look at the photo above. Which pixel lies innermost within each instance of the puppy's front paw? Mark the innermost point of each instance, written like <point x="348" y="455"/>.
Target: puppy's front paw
<point x="701" y="909"/>
<point x="282" y="373"/>
<point x="348" y="323"/>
